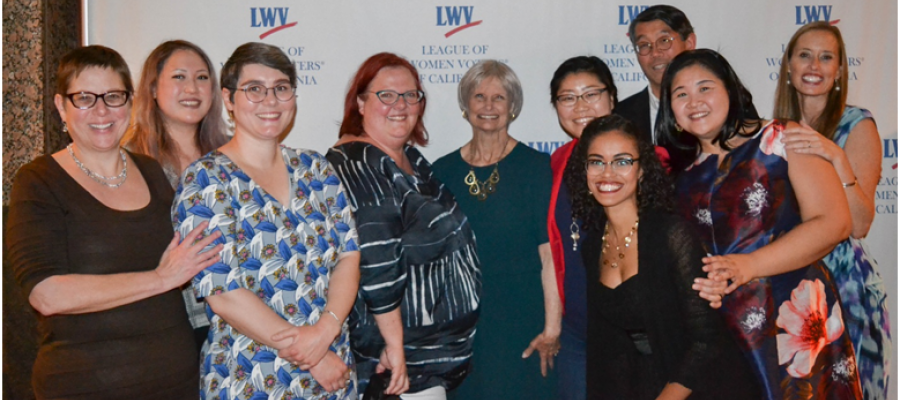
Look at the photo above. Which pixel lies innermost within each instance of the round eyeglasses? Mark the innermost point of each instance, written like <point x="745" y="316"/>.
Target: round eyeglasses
<point x="619" y="166"/>
<point x="86" y="100"/>
<point x="589" y="97"/>
<point x="390" y="97"/>
<point x="258" y="93"/>
<point x="663" y="43"/>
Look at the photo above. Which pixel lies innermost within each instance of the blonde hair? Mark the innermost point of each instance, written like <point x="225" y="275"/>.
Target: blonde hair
<point x="148" y="134"/>
<point x="787" y="102"/>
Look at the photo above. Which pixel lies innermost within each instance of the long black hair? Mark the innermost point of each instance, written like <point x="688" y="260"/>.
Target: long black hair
<point x="655" y="189"/>
<point x="742" y="119"/>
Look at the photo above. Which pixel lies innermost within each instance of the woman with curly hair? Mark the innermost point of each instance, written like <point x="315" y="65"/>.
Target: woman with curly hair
<point x="650" y="336"/>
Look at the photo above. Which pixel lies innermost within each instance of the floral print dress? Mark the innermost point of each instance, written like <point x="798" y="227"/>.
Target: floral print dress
<point x="283" y="253"/>
<point x="862" y="292"/>
<point x="790" y="326"/>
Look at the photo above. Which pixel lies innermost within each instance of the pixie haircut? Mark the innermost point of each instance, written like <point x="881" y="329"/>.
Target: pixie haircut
<point x="587" y="64"/>
<point x="255" y="53"/>
<point x="655" y="188"/>
<point x="491" y="69"/>
<point x="669" y="15"/>
<point x="96" y="56"/>
<point x="740" y="121"/>
<point x="148" y="135"/>
<point x="352" y="123"/>
<point x="787" y="103"/>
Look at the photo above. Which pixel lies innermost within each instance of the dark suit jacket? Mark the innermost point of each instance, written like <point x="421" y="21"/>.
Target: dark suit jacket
<point x="637" y="109"/>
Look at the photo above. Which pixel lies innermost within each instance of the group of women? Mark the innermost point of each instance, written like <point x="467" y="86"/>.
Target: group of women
<point x="357" y="273"/>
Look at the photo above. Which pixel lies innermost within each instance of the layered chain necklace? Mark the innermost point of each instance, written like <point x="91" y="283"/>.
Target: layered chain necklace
<point x="103" y="180"/>
<point x="620" y="253"/>
<point x="481" y="190"/>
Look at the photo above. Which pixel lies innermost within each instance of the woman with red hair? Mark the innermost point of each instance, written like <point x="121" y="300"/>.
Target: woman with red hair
<point x="420" y="281"/>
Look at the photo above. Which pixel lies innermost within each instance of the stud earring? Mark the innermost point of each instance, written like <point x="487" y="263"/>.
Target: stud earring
<point x="464" y="114"/>
<point x="513" y="116"/>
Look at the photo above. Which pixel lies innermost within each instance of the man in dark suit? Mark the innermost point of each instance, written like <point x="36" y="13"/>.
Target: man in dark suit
<point x="658" y="34"/>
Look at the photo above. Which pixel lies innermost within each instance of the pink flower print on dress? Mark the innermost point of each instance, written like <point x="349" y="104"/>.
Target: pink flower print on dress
<point x="772" y="141"/>
<point x="809" y="329"/>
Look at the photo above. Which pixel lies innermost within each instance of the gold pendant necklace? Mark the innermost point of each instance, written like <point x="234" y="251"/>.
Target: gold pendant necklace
<point x="481" y="190"/>
<point x="620" y="253"/>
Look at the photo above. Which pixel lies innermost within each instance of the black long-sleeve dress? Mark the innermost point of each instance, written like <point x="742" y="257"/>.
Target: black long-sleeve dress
<point x="653" y="328"/>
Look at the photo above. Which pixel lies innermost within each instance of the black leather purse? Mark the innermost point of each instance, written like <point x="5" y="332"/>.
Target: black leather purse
<point x="377" y="385"/>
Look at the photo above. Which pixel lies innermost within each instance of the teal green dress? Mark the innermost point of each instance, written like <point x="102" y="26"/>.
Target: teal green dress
<point x="509" y="226"/>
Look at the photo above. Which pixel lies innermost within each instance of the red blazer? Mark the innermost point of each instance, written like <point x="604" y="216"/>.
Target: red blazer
<point x="558" y="162"/>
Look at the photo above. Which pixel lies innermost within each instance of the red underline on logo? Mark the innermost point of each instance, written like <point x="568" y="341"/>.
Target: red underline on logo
<point x="469" y="25"/>
<point x="285" y="26"/>
<point x="834" y="22"/>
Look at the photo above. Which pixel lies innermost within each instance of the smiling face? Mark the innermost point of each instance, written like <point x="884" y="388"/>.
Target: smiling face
<point x="612" y="187"/>
<point x="184" y="90"/>
<point x="700" y="103"/>
<point x="100" y="127"/>
<point x="654" y="64"/>
<point x="489" y="106"/>
<point x="389" y="125"/>
<point x="573" y="119"/>
<point x="267" y="119"/>
<point x="815" y="63"/>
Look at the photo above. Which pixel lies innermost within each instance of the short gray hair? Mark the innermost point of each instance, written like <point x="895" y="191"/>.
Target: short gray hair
<point x="487" y="69"/>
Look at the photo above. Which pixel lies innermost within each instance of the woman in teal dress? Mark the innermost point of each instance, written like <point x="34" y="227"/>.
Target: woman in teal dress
<point x="503" y="186"/>
<point x="812" y="89"/>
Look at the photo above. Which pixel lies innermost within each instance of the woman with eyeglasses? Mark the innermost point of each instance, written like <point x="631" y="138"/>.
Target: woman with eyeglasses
<point x="111" y="319"/>
<point x="178" y="118"/>
<point x="767" y="216"/>
<point x="420" y="284"/>
<point x="649" y="335"/>
<point x="289" y="270"/>
<point x="812" y="89"/>
<point x="503" y="186"/>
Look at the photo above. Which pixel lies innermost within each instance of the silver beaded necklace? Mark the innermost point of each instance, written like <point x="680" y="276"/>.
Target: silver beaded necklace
<point x="100" y="178"/>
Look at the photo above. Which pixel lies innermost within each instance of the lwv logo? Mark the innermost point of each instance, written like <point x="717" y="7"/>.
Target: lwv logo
<point x="265" y="17"/>
<point x="454" y="16"/>
<point x="807" y="14"/>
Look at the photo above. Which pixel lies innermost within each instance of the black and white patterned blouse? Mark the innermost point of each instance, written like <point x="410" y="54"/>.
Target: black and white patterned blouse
<point x="418" y="253"/>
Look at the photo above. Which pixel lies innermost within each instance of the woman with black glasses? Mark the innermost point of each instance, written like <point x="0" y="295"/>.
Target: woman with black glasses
<point x="111" y="319"/>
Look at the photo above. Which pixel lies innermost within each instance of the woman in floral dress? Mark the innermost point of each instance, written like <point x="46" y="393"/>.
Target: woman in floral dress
<point x="812" y="89"/>
<point x="290" y="266"/>
<point x="767" y="217"/>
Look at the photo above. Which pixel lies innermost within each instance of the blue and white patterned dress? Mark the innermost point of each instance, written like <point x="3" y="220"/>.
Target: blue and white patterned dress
<point x="285" y="254"/>
<point x="862" y="292"/>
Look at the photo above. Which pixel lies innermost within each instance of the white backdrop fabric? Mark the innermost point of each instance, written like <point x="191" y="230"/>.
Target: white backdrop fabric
<point x="328" y="40"/>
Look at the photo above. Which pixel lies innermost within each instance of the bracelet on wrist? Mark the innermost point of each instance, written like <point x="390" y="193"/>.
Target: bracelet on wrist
<point x="846" y="185"/>
<point x="335" y="316"/>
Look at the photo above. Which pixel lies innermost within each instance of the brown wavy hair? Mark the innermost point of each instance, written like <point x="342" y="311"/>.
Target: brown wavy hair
<point x="148" y="133"/>
<point x="787" y="101"/>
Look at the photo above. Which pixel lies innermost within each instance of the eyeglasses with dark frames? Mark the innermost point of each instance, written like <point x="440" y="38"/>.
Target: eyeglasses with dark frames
<point x="589" y="97"/>
<point x="87" y="100"/>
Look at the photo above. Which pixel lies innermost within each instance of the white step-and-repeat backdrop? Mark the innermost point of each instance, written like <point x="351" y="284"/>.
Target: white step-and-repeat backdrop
<point x="328" y="40"/>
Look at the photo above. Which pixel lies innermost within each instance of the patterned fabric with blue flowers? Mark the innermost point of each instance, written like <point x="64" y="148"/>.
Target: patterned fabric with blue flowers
<point x="862" y="292"/>
<point x="789" y="326"/>
<point x="283" y="253"/>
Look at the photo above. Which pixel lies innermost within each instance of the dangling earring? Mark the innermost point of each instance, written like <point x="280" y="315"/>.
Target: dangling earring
<point x="65" y="128"/>
<point x="678" y="127"/>
<point x="837" y="85"/>
<point x="464" y="115"/>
